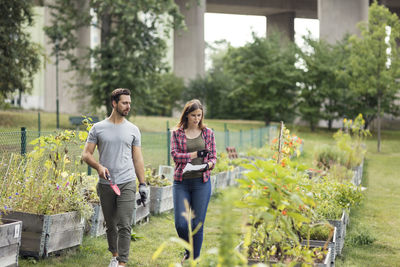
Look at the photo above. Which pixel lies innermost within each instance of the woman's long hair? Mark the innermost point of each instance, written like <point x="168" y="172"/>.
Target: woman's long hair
<point x="191" y="106"/>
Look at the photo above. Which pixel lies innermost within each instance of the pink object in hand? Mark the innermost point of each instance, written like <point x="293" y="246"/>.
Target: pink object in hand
<point x="114" y="186"/>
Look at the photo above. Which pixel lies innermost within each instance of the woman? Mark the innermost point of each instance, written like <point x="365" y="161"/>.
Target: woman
<point x="192" y="143"/>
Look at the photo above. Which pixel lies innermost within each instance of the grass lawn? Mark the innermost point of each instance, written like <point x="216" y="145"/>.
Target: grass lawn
<point x="11" y="120"/>
<point x="94" y="253"/>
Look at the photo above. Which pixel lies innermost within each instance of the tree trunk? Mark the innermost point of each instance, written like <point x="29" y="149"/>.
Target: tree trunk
<point x="105" y="36"/>
<point x="379" y="123"/>
<point x="312" y="126"/>
<point x="330" y="122"/>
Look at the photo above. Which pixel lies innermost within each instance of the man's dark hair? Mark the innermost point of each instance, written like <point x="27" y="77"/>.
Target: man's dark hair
<point x="118" y="92"/>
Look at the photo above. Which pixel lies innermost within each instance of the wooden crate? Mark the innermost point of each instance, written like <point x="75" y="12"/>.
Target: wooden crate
<point x="141" y="213"/>
<point x="10" y="240"/>
<point x="45" y="234"/>
<point x="161" y="199"/>
<point x="96" y="225"/>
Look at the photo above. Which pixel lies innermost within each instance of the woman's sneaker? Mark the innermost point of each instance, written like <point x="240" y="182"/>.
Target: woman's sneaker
<point x="113" y="262"/>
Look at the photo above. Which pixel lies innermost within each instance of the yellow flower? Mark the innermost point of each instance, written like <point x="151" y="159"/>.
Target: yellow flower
<point x="344" y="120"/>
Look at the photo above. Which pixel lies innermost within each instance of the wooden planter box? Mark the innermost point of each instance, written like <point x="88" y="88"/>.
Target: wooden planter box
<point x="96" y="225"/>
<point x="44" y="234"/>
<point x="10" y="241"/>
<point x="327" y="261"/>
<point x="331" y="246"/>
<point x="233" y="175"/>
<point x="161" y="199"/>
<point x="222" y="180"/>
<point x="358" y="173"/>
<point x="141" y="213"/>
<point x="340" y="232"/>
<point x="213" y="180"/>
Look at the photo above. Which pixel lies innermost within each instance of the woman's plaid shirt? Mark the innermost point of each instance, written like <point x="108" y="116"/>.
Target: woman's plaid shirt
<point x="181" y="156"/>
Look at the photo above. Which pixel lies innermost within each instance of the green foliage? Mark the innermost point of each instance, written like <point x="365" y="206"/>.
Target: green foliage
<point x="264" y="77"/>
<point x="332" y="197"/>
<point x="320" y="231"/>
<point x="278" y="208"/>
<point x="323" y="91"/>
<point x="340" y="173"/>
<point x="223" y="163"/>
<point x="19" y="57"/>
<point x="351" y="141"/>
<point x="164" y="93"/>
<point x="153" y="179"/>
<point x="132" y="45"/>
<point x="47" y="180"/>
<point x="375" y="64"/>
<point x="327" y="156"/>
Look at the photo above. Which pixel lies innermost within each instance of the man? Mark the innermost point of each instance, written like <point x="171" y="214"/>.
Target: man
<point x="120" y="162"/>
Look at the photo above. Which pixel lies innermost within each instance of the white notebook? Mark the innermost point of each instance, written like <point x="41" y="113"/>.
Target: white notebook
<point x="190" y="167"/>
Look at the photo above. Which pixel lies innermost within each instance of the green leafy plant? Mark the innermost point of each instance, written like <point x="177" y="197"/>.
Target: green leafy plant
<point x="326" y="156"/>
<point x="155" y="180"/>
<point x="351" y="141"/>
<point x="47" y="180"/>
<point x="222" y="164"/>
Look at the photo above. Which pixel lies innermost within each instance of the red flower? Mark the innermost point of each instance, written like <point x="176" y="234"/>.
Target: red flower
<point x="284" y="212"/>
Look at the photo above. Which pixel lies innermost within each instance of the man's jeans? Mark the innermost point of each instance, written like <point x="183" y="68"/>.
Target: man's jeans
<point x="198" y="195"/>
<point x="118" y="211"/>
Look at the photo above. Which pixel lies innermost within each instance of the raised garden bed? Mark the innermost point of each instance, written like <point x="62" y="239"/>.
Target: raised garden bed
<point x="10" y="241"/>
<point x="46" y="234"/>
<point x="141" y="213"/>
<point x="161" y="199"/>
<point x="96" y="225"/>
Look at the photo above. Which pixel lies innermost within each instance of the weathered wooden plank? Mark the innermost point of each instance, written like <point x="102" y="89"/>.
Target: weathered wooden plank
<point x="141" y="212"/>
<point x="36" y="221"/>
<point x="10" y="240"/>
<point x="161" y="199"/>
<point x="9" y="255"/>
<point x="64" y="239"/>
<point x="96" y="225"/>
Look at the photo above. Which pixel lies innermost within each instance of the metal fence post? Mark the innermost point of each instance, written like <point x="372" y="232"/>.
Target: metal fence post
<point x="241" y="138"/>
<point x="23" y="140"/>
<point x="168" y="145"/>
<point x="252" y="137"/>
<point x="226" y="135"/>
<point x="38" y="115"/>
<point x="260" y="136"/>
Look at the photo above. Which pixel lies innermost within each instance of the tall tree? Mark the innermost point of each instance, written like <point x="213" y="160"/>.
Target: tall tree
<point x="265" y="78"/>
<point x="19" y="56"/>
<point x="375" y="63"/>
<point x="323" y="94"/>
<point x="132" y="47"/>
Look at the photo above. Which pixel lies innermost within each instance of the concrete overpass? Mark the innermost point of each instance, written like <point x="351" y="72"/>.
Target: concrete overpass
<point x="336" y="18"/>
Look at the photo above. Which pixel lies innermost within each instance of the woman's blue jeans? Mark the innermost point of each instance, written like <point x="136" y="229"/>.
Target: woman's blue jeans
<point x="198" y="195"/>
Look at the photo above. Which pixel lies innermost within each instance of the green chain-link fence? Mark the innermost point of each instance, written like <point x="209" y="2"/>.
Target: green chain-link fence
<point x="155" y="146"/>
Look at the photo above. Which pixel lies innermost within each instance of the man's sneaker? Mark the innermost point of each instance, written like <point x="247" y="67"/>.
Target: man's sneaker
<point x="113" y="262"/>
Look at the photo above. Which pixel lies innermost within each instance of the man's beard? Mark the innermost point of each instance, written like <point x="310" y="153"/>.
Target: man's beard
<point x="121" y="112"/>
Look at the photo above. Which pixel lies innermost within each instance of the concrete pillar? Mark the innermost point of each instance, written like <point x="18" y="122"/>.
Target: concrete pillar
<point x="283" y="23"/>
<point x="338" y="17"/>
<point x="69" y="99"/>
<point x="189" y="44"/>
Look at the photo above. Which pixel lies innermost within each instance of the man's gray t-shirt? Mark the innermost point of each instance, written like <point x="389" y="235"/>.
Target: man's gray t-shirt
<point x="114" y="142"/>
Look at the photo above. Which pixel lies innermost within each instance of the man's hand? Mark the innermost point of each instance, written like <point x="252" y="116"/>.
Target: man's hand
<point x="144" y="193"/>
<point x="103" y="172"/>
<point x="202" y="153"/>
